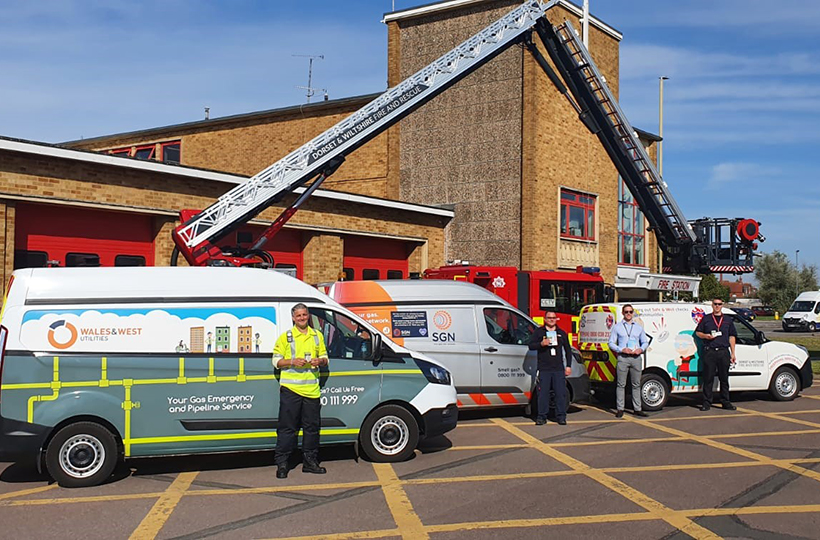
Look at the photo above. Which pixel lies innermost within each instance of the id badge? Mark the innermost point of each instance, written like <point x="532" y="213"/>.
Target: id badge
<point x="716" y="333"/>
<point x="552" y="352"/>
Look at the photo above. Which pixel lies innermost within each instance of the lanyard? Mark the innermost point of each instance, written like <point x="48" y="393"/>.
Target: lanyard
<point x="716" y="322"/>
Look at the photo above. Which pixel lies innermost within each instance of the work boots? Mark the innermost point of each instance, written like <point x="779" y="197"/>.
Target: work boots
<point x="310" y="464"/>
<point x="282" y="470"/>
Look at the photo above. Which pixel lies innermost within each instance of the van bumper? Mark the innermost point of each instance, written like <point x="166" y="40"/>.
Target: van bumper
<point x="20" y="440"/>
<point x="580" y="388"/>
<point x="806" y="375"/>
<point x="440" y="421"/>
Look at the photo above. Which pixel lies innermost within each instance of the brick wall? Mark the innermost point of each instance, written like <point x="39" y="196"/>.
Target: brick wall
<point x="250" y="143"/>
<point x="464" y="146"/>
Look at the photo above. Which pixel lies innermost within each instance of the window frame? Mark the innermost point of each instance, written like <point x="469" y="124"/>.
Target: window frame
<point x="346" y="332"/>
<point x="569" y="199"/>
<point x="133" y="257"/>
<point x="514" y="339"/>
<point x="626" y="201"/>
<point x="80" y="254"/>
<point x="162" y="146"/>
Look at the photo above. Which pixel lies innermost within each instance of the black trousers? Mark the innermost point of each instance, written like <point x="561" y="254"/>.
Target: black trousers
<point x="297" y="411"/>
<point x="716" y="360"/>
<point x="557" y="382"/>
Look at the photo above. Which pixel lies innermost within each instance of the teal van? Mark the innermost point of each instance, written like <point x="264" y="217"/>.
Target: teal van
<point x="101" y="364"/>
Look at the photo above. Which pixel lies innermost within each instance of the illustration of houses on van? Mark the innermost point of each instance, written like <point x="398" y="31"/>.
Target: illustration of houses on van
<point x="245" y="340"/>
<point x="197" y="339"/>
<point x="223" y="339"/>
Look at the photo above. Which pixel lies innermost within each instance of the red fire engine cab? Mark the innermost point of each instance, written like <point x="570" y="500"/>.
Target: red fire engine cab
<point x="536" y="292"/>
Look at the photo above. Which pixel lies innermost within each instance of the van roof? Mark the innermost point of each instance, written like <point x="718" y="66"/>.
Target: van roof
<point x="416" y="291"/>
<point x="158" y="283"/>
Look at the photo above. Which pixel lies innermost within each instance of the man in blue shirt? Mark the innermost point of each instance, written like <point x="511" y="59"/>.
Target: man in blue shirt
<point x="628" y="341"/>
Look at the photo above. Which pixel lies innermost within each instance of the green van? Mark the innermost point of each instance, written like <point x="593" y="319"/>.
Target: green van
<point x="100" y="364"/>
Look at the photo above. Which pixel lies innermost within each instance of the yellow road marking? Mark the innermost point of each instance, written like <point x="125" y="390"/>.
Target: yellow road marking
<point x="342" y="536"/>
<point x="543" y="522"/>
<point x="488" y="447"/>
<point x="151" y="524"/>
<point x="732" y="449"/>
<point x="655" y="508"/>
<point x="261" y="490"/>
<point x="89" y="499"/>
<point x="407" y="521"/>
<point x="24" y="492"/>
<point x="776" y="416"/>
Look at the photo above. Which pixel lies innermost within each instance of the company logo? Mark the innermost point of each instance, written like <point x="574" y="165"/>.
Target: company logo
<point x="697" y="315"/>
<point x="442" y="320"/>
<point x="583" y="322"/>
<point x="61" y="334"/>
<point x="610" y="320"/>
<point x="499" y="283"/>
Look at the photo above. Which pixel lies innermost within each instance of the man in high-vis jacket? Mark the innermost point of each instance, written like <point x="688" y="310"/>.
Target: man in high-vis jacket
<point x="298" y="354"/>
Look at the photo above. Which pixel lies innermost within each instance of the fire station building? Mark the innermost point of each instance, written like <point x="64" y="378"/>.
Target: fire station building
<point x="497" y="170"/>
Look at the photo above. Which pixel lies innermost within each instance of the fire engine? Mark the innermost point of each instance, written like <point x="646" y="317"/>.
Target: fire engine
<point x="536" y="292"/>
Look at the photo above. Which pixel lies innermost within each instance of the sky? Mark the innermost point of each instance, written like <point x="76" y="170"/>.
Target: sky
<point x="741" y="106"/>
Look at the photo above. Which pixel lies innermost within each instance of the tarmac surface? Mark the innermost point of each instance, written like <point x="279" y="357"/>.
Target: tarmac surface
<point x="751" y="473"/>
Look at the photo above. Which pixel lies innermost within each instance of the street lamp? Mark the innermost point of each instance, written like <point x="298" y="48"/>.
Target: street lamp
<point x="660" y="153"/>
<point x="796" y="275"/>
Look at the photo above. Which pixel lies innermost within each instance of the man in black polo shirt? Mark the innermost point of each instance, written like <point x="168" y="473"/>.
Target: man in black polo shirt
<point x="718" y="334"/>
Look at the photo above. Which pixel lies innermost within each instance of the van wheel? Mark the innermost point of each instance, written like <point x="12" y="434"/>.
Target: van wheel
<point x="812" y="327"/>
<point x="389" y="434"/>
<point x="784" y="385"/>
<point x="81" y="455"/>
<point x="654" y="392"/>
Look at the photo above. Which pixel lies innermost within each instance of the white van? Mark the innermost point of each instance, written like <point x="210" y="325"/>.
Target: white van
<point x="476" y="335"/>
<point x="672" y="360"/>
<point x="804" y="314"/>
<point x="103" y="363"/>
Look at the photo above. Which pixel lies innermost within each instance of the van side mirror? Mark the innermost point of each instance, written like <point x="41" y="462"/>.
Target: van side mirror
<point x="760" y="338"/>
<point x="375" y="347"/>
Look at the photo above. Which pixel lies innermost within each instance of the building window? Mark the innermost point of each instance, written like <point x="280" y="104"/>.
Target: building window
<point x="169" y="152"/>
<point x="82" y="259"/>
<point x="631" y="232"/>
<point x="577" y="215"/>
<point x="145" y="152"/>
<point x="129" y="260"/>
<point x="30" y="259"/>
<point x="395" y="274"/>
<point x="370" y="273"/>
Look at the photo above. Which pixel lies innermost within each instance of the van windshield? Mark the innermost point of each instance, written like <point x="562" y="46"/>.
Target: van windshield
<point x="802" y="305"/>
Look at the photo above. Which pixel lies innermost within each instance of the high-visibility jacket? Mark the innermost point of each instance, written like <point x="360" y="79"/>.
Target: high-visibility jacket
<point x="294" y="344"/>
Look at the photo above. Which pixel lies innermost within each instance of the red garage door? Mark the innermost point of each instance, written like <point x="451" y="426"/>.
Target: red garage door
<point x="286" y="246"/>
<point x="72" y="236"/>
<point x="375" y="258"/>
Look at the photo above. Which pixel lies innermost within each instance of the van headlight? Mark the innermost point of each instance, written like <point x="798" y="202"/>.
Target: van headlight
<point x="435" y="374"/>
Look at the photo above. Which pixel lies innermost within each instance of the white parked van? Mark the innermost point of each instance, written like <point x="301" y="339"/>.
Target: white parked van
<point x="103" y="363"/>
<point x="672" y="360"/>
<point x="804" y="314"/>
<point x="476" y="335"/>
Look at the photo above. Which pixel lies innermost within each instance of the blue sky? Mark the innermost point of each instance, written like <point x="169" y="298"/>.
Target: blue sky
<point x="741" y="108"/>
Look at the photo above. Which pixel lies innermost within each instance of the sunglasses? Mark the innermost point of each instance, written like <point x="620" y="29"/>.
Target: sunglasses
<point x="717" y="303"/>
<point x="628" y="312"/>
<point x="550" y="318"/>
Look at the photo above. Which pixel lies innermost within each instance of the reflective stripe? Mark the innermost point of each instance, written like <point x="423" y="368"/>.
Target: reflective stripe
<point x="285" y="381"/>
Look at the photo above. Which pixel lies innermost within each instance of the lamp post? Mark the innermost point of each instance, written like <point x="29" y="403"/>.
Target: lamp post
<point x="796" y="274"/>
<point x="660" y="123"/>
<point x="660" y="153"/>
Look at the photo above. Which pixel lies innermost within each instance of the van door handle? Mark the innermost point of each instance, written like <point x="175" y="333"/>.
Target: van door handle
<point x="491" y="349"/>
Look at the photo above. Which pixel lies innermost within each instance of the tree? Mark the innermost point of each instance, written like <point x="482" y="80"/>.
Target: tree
<point x="778" y="278"/>
<point x="711" y="288"/>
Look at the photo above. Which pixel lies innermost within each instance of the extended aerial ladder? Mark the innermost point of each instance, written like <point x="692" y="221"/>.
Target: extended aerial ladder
<point x="195" y="238"/>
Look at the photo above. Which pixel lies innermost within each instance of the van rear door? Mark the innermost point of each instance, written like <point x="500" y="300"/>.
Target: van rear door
<point x="507" y="365"/>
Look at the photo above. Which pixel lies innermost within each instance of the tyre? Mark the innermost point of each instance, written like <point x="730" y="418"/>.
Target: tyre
<point x="785" y="384"/>
<point x="654" y="392"/>
<point x="82" y="454"/>
<point x="389" y="434"/>
<point x="812" y="327"/>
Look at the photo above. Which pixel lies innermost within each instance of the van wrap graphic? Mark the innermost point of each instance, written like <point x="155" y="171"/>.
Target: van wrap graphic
<point x="351" y="293"/>
<point x="178" y="330"/>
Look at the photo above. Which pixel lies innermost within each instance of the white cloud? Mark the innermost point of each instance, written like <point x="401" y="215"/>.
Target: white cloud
<point x="728" y="172"/>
